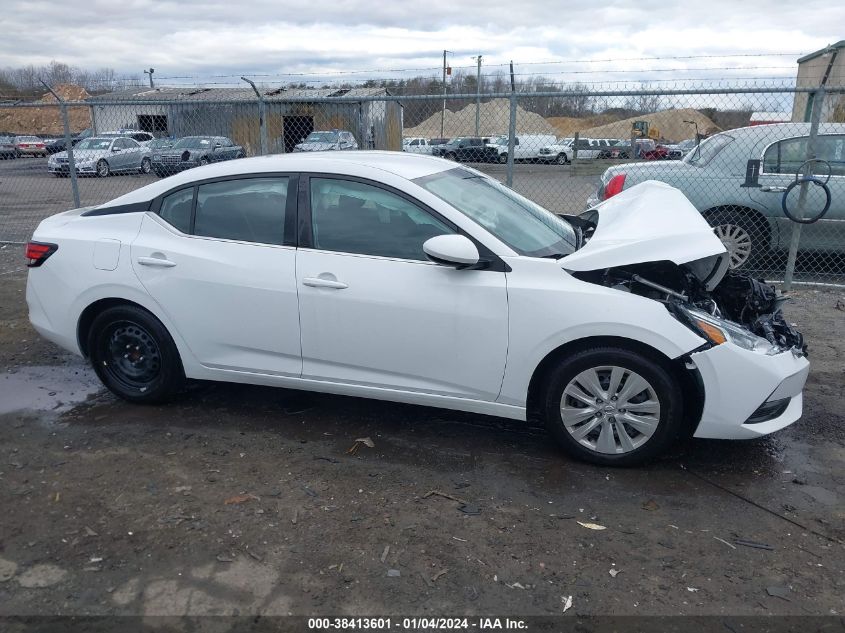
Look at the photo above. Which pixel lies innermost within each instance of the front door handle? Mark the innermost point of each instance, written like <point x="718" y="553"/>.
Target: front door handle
<point x="773" y="189"/>
<point x="319" y="282"/>
<point x="156" y="261"/>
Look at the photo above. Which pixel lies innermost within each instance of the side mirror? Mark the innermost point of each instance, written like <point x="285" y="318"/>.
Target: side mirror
<point x="451" y="250"/>
<point x="115" y="149"/>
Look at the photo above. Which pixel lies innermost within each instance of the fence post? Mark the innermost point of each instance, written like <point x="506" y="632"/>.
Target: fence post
<point x="74" y="185"/>
<point x="818" y="106"/>
<point x="262" y="119"/>
<point x="511" y="141"/>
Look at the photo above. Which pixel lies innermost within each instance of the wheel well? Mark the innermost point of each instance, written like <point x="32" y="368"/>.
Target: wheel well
<point x="90" y="313"/>
<point x="689" y="381"/>
<point x="760" y="220"/>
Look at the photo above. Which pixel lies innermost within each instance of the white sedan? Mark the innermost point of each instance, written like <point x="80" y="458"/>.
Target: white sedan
<point x="407" y="278"/>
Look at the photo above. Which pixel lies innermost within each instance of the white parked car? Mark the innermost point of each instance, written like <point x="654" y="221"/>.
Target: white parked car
<point x="525" y="146"/>
<point x="142" y="138"/>
<point x="416" y="145"/>
<point x="410" y="278"/>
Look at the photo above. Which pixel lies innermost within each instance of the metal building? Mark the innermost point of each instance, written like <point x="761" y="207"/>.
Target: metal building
<point x="233" y="112"/>
<point x="825" y="67"/>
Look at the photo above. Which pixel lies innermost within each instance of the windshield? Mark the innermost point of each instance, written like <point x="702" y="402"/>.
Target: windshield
<point x="94" y="143"/>
<point x="159" y="143"/>
<point x="321" y="137"/>
<point x="499" y="140"/>
<point x="193" y="142"/>
<point x="708" y="149"/>
<point x="524" y="226"/>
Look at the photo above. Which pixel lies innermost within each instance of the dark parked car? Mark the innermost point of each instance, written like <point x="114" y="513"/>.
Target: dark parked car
<point x="467" y="149"/>
<point x="193" y="151"/>
<point x="58" y="144"/>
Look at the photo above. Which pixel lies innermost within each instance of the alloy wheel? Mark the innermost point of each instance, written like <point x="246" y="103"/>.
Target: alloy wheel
<point x="737" y="241"/>
<point x="610" y="409"/>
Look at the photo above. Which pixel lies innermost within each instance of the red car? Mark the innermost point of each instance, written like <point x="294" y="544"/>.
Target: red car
<point x="658" y="152"/>
<point x="31" y="145"/>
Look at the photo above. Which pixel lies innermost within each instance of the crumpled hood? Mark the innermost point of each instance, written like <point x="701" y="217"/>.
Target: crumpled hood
<point x="651" y="222"/>
<point x="316" y="147"/>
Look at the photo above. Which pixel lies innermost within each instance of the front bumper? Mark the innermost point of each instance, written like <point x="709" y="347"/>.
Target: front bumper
<point x="174" y="168"/>
<point x="737" y="382"/>
<point x="64" y="168"/>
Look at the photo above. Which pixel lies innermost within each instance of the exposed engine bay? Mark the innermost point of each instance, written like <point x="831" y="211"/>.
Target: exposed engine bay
<point x="738" y="297"/>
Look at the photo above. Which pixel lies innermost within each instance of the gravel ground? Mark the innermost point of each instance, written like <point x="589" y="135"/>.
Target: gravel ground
<point x="251" y="500"/>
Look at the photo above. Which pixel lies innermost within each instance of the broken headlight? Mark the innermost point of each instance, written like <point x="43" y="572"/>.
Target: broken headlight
<point x="718" y="331"/>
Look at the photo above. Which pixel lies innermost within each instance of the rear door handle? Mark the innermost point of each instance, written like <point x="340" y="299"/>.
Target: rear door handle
<point x="156" y="261"/>
<point x="318" y="282"/>
<point x="773" y="189"/>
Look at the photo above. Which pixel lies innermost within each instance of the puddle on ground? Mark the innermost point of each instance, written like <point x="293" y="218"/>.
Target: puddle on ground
<point x="48" y="388"/>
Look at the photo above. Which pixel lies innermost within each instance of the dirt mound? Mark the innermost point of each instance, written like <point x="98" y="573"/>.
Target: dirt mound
<point x="48" y="119"/>
<point x="670" y="123"/>
<point x="494" y="119"/>
<point x="568" y="125"/>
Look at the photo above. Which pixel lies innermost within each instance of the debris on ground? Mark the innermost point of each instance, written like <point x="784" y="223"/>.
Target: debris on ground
<point x="591" y="526"/>
<point x="393" y="573"/>
<point x="692" y="589"/>
<point x="365" y="441"/>
<point x="442" y="572"/>
<point x="753" y="544"/>
<point x="721" y="540"/>
<point x="238" y="499"/>
<point x="445" y="495"/>
<point x="614" y="572"/>
<point x="779" y="592"/>
<point x="650" y="505"/>
<point x="567" y="603"/>
<point x="222" y="558"/>
<point x="90" y="532"/>
<point x="468" y="508"/>
<point x="385" y="553"/>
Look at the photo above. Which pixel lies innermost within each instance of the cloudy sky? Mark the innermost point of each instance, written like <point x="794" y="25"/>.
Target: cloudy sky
<point x="203" y="39"/>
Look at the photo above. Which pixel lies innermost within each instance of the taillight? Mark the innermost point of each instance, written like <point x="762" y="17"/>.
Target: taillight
<point x="614" y="186"/>
<point x="38" y="252"/>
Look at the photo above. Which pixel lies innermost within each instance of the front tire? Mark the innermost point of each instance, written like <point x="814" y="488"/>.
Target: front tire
<point x="612" y="406"/>
<point x="503" y="158"/>
<point x="103" y="169"/>
<point x="562" y="159"/>
<point x="134" y="355"/>
<point x="146" y="165"/>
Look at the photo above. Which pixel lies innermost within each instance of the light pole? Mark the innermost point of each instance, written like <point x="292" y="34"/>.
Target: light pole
<point x="443" y="111"/>
<point x="478" y="97"/>
<point x="150" y="73"/>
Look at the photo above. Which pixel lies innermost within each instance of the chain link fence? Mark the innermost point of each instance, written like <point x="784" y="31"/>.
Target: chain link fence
<point x="765" y="166"/>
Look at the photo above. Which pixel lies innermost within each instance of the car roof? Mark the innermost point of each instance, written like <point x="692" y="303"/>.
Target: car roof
<point x="404" y="165"/>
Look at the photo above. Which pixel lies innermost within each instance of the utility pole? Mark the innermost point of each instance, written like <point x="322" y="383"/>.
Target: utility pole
<point x="443" y="111"/>
<point x="150" y="73"/>
<point x="478" y="97"/>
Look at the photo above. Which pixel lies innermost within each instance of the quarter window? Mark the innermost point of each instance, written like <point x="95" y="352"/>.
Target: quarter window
<point x="353" y="217"/>
<point x="176" y="209"/>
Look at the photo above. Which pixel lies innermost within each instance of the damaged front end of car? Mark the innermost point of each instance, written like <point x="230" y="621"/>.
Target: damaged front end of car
<point x="651" y="241"/>
<point x="739" y="308"/>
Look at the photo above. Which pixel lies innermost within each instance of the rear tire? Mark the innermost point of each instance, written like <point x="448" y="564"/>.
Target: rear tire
<point x="503" y="158"/>
<point x="612" y="406"/>
<point x="742" y="234"/>
<point x="134" y="355"/>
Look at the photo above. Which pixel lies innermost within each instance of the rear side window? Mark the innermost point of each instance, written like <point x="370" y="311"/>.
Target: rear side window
<point x="251" y="210"/>
<point x="787" y="156"/>
<point x="176" y="209"/>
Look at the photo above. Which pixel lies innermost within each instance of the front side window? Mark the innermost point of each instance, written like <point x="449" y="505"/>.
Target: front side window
<point x="322" y="137"/>
<point x="521" y="224"/>
<point x="353" y="217"/>
<point x="249" y="209"/>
